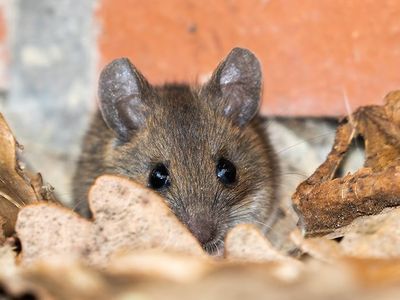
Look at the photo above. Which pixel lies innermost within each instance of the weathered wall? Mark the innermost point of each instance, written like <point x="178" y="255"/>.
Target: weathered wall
<point x="315" y="55"/>
<point x="49" y="81"/>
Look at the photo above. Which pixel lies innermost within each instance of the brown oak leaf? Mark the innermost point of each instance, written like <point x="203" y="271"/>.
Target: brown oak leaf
<point x="325" y="204"/>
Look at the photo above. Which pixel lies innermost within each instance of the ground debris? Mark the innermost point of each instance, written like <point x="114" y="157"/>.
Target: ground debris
<point x="325" y="204"/>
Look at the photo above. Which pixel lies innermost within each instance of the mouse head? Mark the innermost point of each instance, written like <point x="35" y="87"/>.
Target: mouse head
<point x="201" y="148"/>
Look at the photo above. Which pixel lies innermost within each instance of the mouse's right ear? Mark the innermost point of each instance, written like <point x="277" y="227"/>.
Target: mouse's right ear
<point x="122" y="95"/>
<point x="235" y="86"/>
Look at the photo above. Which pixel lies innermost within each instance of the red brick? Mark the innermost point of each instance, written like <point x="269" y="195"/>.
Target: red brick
<point x="313" y="52"/>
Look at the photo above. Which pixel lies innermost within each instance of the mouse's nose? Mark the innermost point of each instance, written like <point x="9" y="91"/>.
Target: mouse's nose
<point x="202" y="229"/>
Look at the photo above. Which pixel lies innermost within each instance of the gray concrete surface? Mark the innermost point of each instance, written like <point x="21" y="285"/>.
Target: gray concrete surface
<point x="51" y="90"/>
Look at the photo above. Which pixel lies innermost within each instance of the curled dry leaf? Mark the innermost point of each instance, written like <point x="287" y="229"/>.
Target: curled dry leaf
<point x="16" y="188"/>
<point x="127" y="217"/>
<point x="325" y="204"/>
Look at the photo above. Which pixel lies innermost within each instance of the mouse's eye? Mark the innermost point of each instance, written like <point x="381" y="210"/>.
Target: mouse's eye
<point x="159" y="177"/>
<point x="226" y="171"/>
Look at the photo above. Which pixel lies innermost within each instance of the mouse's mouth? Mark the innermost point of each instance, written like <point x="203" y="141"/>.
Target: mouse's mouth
<point x="215" y="247"/>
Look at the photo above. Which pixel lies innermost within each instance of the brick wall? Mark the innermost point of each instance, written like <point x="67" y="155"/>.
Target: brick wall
<point x="315" y="54"/>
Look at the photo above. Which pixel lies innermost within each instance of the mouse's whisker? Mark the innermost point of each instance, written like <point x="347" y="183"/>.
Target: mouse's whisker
<point x="243" y="204"/>
<point x="331" y="132"/>
<point x="287" y="174"/>
<point x="125" y="170"/>
<point x="240" y="217"/>
<point x="263" y="224"/>
<point x="217" y="197"/>
<point x="175" y="198"/>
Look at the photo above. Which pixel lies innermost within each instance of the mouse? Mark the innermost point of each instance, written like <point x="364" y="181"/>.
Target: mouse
<point x="203" y="147"/>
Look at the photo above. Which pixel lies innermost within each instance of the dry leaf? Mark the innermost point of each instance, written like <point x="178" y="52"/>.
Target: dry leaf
<point x="47" y="230"/>
<point x="126" y="215"/>
<point x="60" y="279"/>
<point x="348" y="279"/>
<point x="2" y="236"/>
<point x="245" y="242"/>
<point x="11" y="280"/>
<point x="324" y="204"/>
<point x="16" y="190"/>
<point x="322" y="249"/>
<point x="374" y="272"/>
<point x="160" y="265"/>
<point x="374" y="236"/>
<point x="380" y="127"/>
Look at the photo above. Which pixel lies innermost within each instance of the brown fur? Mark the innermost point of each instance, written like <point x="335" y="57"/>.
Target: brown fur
<point x="186" y="133"/>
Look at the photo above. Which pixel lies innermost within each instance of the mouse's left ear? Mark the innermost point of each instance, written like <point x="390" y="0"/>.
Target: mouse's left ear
<point x="235" y="86"/>
<point x="123" y="96"/>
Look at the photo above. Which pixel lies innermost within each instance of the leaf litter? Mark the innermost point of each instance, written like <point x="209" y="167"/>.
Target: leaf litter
<point x="348" y="241"/>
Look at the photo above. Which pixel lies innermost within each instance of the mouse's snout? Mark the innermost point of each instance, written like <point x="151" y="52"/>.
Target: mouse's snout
<point x="202" y="228"/>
